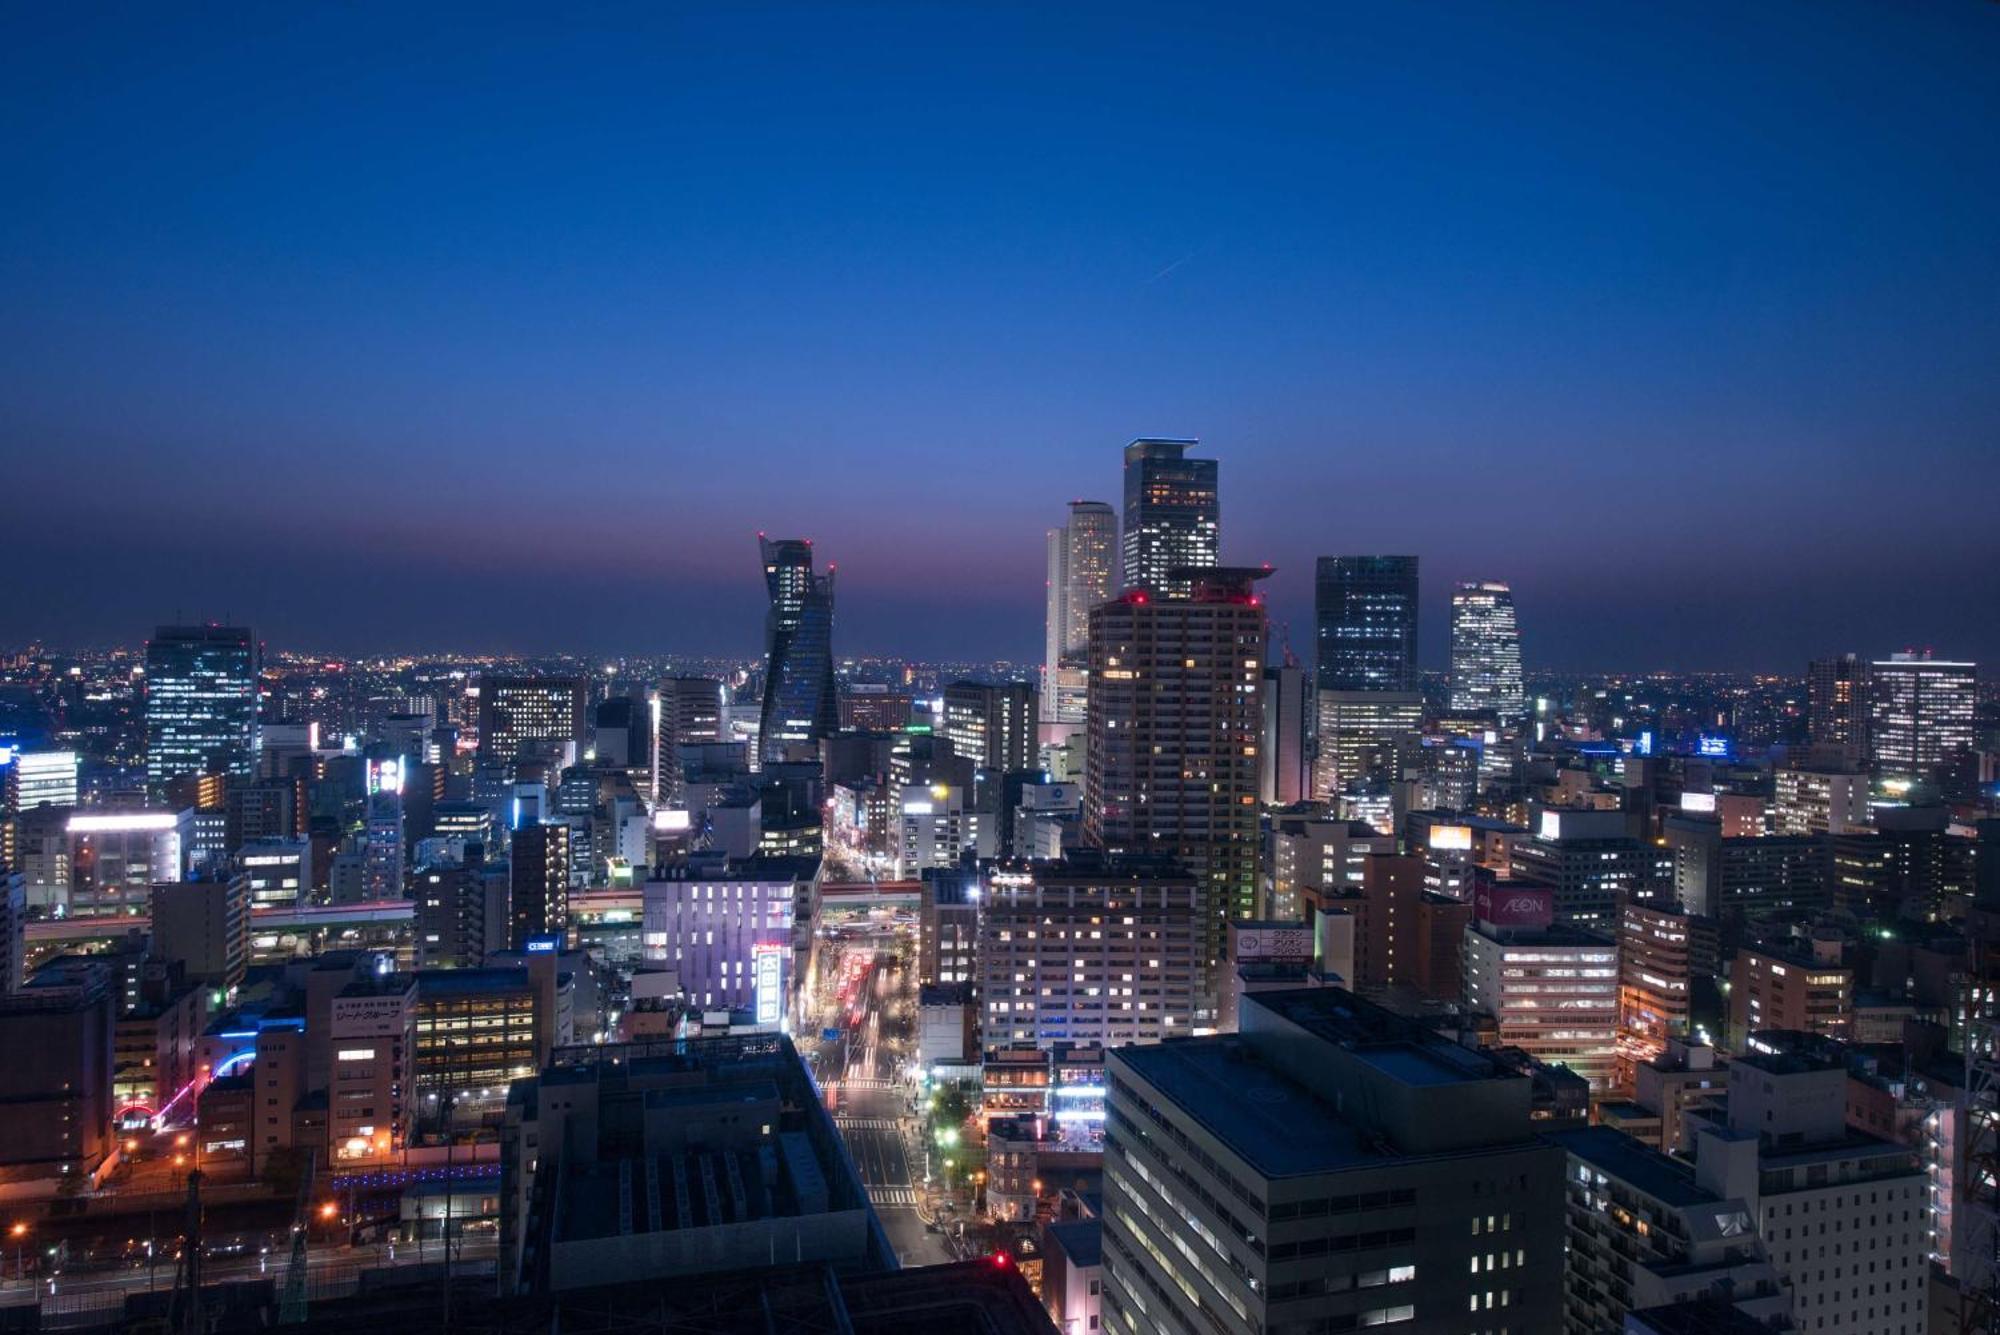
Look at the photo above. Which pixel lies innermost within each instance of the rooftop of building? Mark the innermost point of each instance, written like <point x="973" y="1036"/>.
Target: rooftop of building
<point x="757" y="867"/>
<point x="978" y="1297"/>
<point x="1619" y="1156"/>
<point x="1266" y="1119"/>
<point x="1555" y="935"/>
<point x="1695" y="1316"/>
<point x="468" y="982"/>
<point x="374" y="984"/>
<point x="1788" y="1060"/>
<point x="1081" y="1241"/>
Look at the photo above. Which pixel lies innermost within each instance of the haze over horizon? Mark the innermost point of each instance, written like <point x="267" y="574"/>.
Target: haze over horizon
<point x="385" y="333"/>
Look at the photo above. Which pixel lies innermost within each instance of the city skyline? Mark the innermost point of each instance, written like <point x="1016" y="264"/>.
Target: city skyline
<point x="562" y="329"/>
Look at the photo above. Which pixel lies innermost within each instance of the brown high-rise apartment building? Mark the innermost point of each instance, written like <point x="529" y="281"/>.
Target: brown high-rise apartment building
<point x="1175" y="722"/>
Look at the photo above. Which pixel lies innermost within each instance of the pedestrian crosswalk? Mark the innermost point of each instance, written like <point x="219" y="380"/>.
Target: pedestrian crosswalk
<point x="865" y="1123"/>
<point x="884" y="1195"/>
<point x="860" y="1082"/>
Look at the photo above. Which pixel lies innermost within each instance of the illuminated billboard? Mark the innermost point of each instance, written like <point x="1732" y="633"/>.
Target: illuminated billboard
<point x="1451" y="838"/>
<point x="130" y="822"/>
<point x="672" y="821"/>
<point x="1698" y="802"/>
<point x="767" y="964"/>
<point x="1530" y="906"/>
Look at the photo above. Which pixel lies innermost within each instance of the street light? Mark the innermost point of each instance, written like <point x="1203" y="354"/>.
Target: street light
<point x="18" y="1232"/>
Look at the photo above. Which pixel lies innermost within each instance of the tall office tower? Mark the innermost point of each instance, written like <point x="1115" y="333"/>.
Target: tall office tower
<point x="201" y="703"/>
<point x="687" y="711"/>
<point x="1366" y="608"/>
<point x="800" y="706"/>
<point x="1287" y="768"/>
<point x="1331" y="1166"/>
<point x="1837" y="704"/>
<point x="383" y="871"/>
<point x="1083" y="572"/>
<point x="538" y="896"/>
<point x="1089" y="950"/>
<point x="1364" y="737"/>
<point x="544" y="716"/>
<point x="993" y="726"/>
<point x="1485" y="650"/>
<point x="1174" y="731"/>
<point x="1921" y="716"/>
<point x="1173" y="519"/>
<point x="1369" y="709"/>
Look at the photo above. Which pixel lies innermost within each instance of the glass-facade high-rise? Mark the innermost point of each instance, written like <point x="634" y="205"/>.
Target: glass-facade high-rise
<point x="1366" y="678"/>
<point x="1924" y="714"/>
<point x="1486" y="650"/>
<point x="1083" y="572"/>
<point x="1172" y="516"/>
<point x="201" y="702"/>
<point x="800" y="705"/>
<point x="1367" y="613"/>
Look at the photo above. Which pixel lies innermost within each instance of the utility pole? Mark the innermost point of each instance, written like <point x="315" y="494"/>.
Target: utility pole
<point x="450" y="1143"/>
<point x="185" y="1306"/>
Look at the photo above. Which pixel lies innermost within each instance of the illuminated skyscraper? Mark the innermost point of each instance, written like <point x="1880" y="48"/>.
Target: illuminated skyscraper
<point x="1173" y="518"/>
<point x="1083" y="572"/>
<point x="1485" y="651"/>
<point x="201" y="702"/>
<point x="532" y="714"/>
<point x="1369" y="708"/>
<point x="800" y="705"/>
<point x="1176" y="722"/>
<point x="1367" y="612"/>
<point x="1922" y="714"/>
<point x="1837" y="704"/>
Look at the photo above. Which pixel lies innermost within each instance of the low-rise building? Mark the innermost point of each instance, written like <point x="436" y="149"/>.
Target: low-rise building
<point x="676" y="1159"/>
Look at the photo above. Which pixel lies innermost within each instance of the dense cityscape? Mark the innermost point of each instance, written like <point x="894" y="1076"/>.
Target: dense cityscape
<point x="773" y="668"/>
<point x="1172" y="981"/>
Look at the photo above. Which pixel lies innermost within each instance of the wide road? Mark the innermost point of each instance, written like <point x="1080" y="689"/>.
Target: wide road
<point x="862" y="1075"/>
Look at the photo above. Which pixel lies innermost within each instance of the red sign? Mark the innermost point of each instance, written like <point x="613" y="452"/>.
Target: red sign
<point x="1531" y="906"/>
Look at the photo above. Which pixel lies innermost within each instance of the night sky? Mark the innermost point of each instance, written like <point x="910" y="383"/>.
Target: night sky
<point x="505" y="329"/>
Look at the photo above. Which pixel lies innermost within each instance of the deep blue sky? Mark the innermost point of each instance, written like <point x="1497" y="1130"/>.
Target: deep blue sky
<point x="509" y="329"/>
